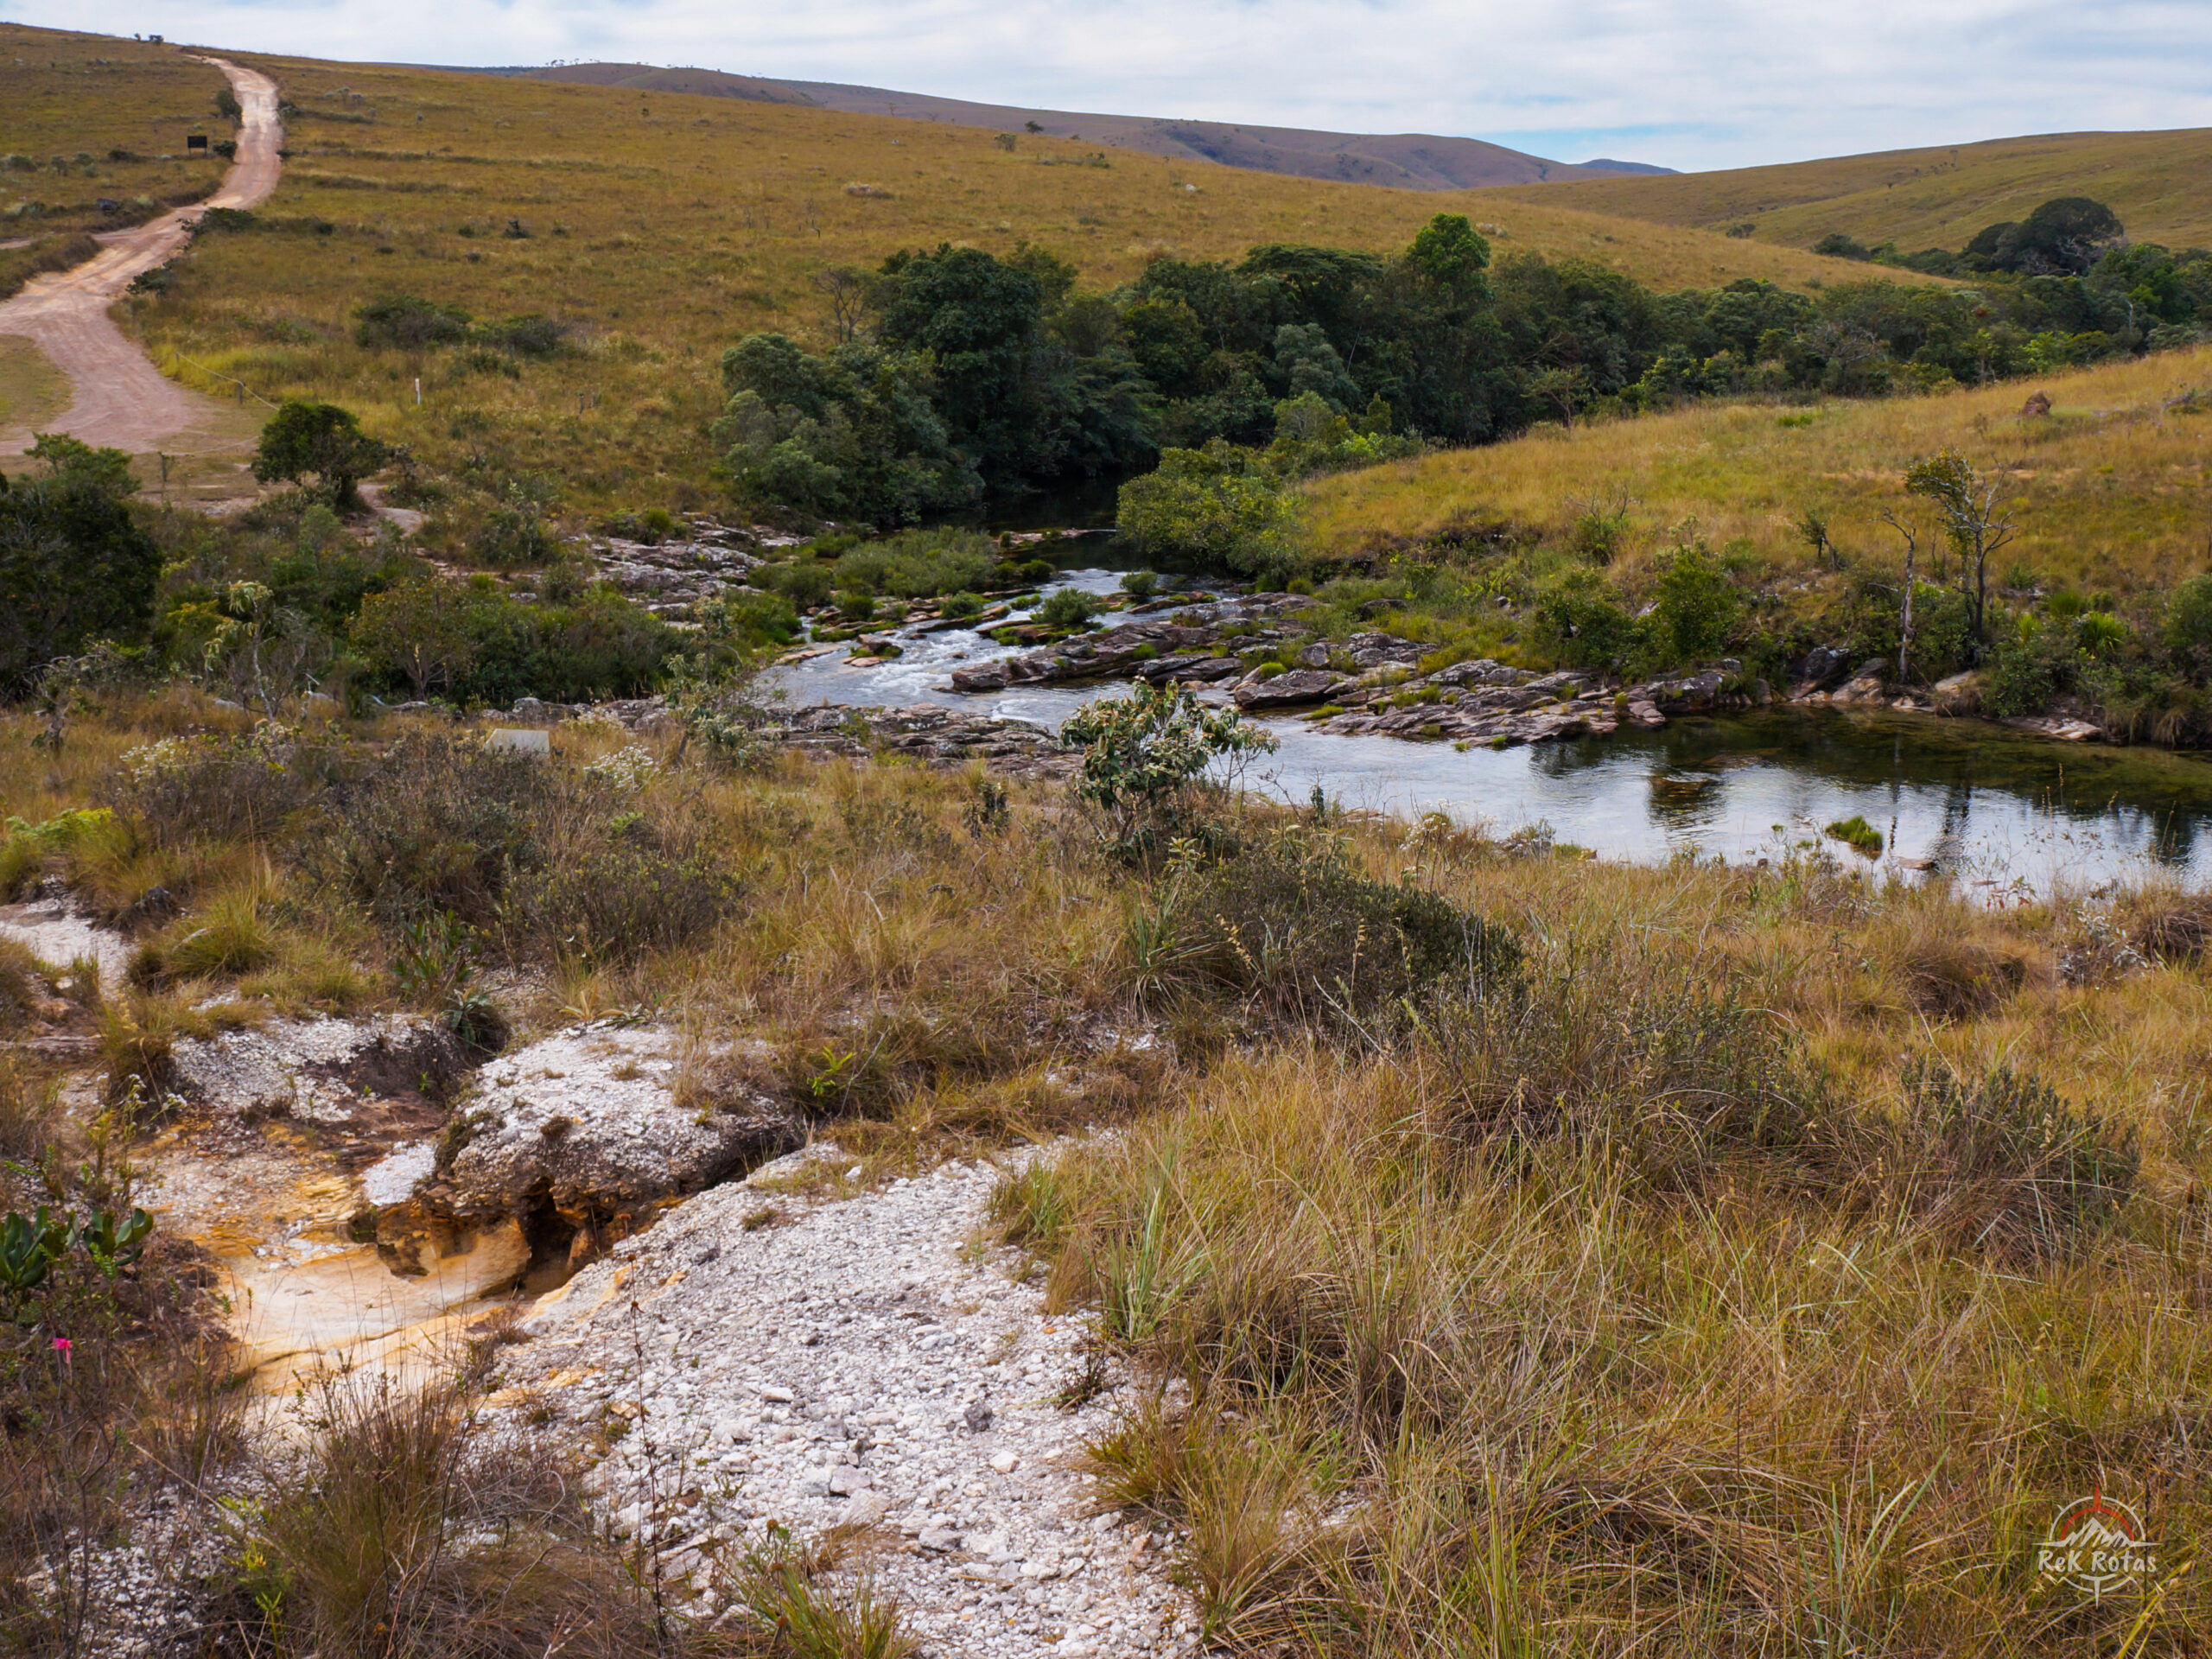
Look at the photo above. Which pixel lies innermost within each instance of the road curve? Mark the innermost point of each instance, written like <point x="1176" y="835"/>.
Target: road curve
<point x="121" y="400"/>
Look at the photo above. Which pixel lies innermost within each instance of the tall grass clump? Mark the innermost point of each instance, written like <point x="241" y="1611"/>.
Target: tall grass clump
<point x="1603" y="1309"/>
<point x="418" y="1528"/>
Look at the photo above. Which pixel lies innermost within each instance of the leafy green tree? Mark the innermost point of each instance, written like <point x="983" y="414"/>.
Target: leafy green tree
<point x="74" y="565"/>
<point x="1449" y="253"/>
<point x="1216" y="505"/>
<point x="418" y="631"/>
<point x="304" y="436"/>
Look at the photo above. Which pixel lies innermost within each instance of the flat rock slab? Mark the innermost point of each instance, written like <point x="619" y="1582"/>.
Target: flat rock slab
<point x="324" y="1071"/>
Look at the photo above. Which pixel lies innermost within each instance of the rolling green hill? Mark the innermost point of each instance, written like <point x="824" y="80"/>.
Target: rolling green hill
<point x="1924" y="198"/>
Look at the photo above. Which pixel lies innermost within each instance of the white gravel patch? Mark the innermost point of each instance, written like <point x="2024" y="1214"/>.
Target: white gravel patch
<point x="856" y="1360"/>
<point x="57" y="935"/>
<point x="260" y="1069"/>
<point x="393" y="1178"/>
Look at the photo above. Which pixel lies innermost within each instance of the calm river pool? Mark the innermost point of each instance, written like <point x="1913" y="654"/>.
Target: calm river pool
<point x="1987" y="805"/>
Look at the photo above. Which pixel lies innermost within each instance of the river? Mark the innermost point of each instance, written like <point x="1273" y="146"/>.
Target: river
<point x="1991" y="807"/>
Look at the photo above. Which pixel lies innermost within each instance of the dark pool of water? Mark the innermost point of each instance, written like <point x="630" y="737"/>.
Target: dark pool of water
<point x="1983" y="802"/>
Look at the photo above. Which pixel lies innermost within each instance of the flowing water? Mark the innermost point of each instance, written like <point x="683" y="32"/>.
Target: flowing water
<point x="1985" y="805"/>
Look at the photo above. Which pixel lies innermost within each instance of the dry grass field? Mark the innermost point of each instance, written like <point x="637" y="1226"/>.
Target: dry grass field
<point x="660" y="227"/>
<point x="1934" y="197"/>
<point x="91" y="117"/>
<point x="2109" y="490"/>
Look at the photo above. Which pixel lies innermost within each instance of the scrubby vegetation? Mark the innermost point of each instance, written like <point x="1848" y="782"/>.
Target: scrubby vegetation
<point x="2053" y="556"/>
<point x="1516" y="1246"/>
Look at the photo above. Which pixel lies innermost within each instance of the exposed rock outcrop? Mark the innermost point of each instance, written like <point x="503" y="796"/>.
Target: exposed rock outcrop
<point x="582" y="1137"/>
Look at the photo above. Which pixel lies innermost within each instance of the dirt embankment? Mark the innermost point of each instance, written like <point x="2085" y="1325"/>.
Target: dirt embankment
<point x="120" y="399"/>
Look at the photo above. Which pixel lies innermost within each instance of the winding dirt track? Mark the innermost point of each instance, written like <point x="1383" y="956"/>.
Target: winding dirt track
<point x="121" y="400"/>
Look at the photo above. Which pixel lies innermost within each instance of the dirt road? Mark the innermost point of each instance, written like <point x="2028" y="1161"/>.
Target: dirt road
<point x="122" y="401"/>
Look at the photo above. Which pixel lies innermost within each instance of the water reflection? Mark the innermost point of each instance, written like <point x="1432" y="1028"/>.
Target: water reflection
<point x="1988" y="805"/>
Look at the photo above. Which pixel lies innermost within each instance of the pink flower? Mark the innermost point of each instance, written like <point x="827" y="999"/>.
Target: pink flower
<point x="61" y="1347"/>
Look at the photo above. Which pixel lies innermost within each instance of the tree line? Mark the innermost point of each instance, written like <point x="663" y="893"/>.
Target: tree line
<point x="957" y="374"/>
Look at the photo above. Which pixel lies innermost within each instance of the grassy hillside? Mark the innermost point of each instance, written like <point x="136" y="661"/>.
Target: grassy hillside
<point x="93" y="120"/>
<point x="661" y="227"/>
<point x="1925" y="198"/>
<point x="2110" y="490"/>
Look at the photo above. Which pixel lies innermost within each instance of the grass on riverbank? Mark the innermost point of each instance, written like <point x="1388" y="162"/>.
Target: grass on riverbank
<point x="2109" y="495"/>
<point x="2109" y="489"/>
<point x="1705" y="1285"/>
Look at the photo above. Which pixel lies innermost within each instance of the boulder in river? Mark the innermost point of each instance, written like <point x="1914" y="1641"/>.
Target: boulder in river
<point x="1289" y="690"/>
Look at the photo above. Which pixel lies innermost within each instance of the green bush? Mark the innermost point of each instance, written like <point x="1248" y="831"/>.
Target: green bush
<point x="806" y="583"/>
<point x="2024" y="670"/>
<point x="1581" y="623"/>
<point x="917" y="564"/>
<point x="407" y="323"/>
<point x="74" y="565"/>
<point x="1695" y="613"/>
<point x="2188" y="628"/>
<point x="1069" y="607"/>
<point x="1290" y="923"/>
<point x="1217" y="507"/>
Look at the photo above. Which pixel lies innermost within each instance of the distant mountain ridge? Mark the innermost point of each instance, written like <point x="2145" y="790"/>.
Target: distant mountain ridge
<point x="1408" y="161"/>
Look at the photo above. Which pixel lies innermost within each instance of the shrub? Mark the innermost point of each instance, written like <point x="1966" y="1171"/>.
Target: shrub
<point x="418" y="1530"/>
<point x="2188" y="627"/>
<point x="1143" y="755"/>
<point x="610" y="887"/>
<point x="1141" y="584"/>
<point x="74" y="566"/>
<point x="958" y="606"/>
<point x="1216" y="506"/>
<point x="807" y="582"/>
<point x="182" y="789"/>
<point x="1069" y="607"/>
<point x="1695" y="610"/>
<point x="2008" y="1166"/>
<point x="417" y="632"/>
<point x="408" y="322"/>
<point x="1291" y="924"/>
<point x="2024" y="670"/>
<point x="432" y="824"/>
<point x="1581" y="623"/>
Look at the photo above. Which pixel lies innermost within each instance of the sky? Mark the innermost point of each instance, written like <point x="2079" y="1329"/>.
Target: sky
<point x="1689" y="84"/>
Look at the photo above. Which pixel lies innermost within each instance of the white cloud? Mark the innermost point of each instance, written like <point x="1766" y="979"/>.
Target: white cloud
<point x="1712" y="83"/>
